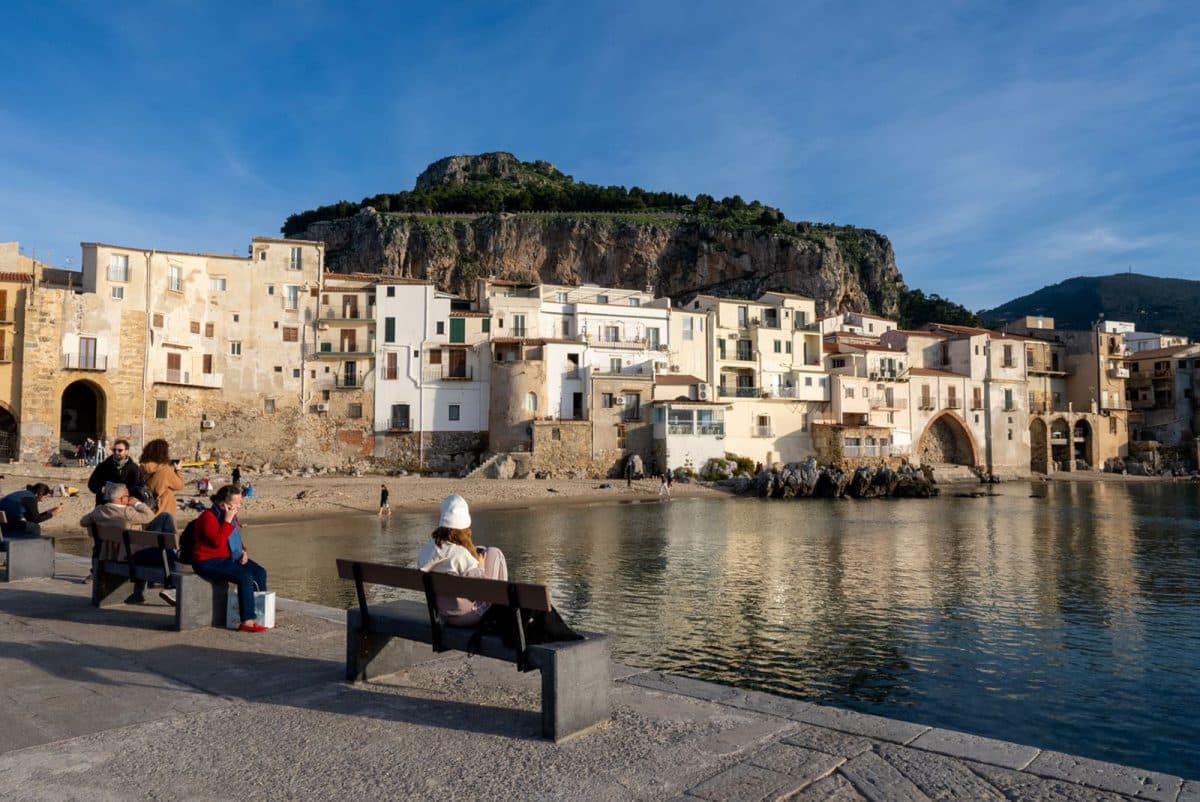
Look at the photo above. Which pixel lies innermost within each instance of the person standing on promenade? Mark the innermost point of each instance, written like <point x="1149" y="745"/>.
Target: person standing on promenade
<point x="20" y="508"/>
<point x="164" y="478"/>
<point x="384" y="507"/>
<point x="220" y="555"/>
<point x="119" y="469"/>
<point x="450" y="550"/>
<point x="237" y="475"/>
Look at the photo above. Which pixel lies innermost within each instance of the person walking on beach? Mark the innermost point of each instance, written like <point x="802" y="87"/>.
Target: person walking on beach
<point x="221" y="556"/>
<point x="237" y="474"/>
<point x="119" y="468"/>
<point x="450" y="550"/>
<point x="384" y="507"/>
<point x="664" y="489"/>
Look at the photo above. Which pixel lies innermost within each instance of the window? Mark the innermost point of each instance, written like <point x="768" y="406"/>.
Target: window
<point x="606" y="400"/>
<point x="400" y="416"/>
<point x="160" y="409"/>
<point x="778" y="347"/>
<point x="849" y="391"/>
<point x="614" y="364"/>
<point x="531" y="402"/>
<point x="743" y="316"/>
<point x="390" y="368"/>
<point x="787" y="346"/>
<point x="206" y="364"/>
<point x="389" y="329"/>
<point x="871" y="327"/>
<point x="745" y="350"/>
<point x="158" y="320"/>
<point x="269" y="406"/>
<point x="560" y="297"/>
<point x="270" y="289"/>
<point x="291" y="334"/>
<point x="633" y="406"/>
<point x="291" y="297"/>
<point x="435" y="356"/>
<point x="118" y="293"/>
<point x="601" y="299"/>
<point x="441" y="327"/>
<point x="611" y="334"/>
<point x="118" y="267"/>
<point x="652" y="340"/>
<point x="453" y="412"/>
<point x="354" y="411"/>
<point x="297" y="260"/>
<point x="556" y="433"/>
<point x="837" y="362"/>
<point x="808" y="381"/>
<point x="262" y="256"/>
<point x="279" y="368"/>
<point x="235" y="349"/>
<point x="721" y="349"/>
<point x="295" y="373"/>
<point x="687" y="328"/>
<point x="635" y="301"/>
<point x="1008" y="357"/>
<point x="487" y="325"/>
<point x="236" y="317"/>
<point x="1008" y="400"/>
<point x="195" y="326"/>
<point x="518" y="325"/>
<point x="216" y="285"/>
<point x="174" y="278"/>
<point x="391" y="292"/>
<point x="276" y="324"/>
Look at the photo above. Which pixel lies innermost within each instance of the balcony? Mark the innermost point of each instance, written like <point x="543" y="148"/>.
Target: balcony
<point x="8" y="314"/>
<point x="740" y="392"/>
<point x="348" y="350"/>
<point x="334" y="313"/>
<point x="926" y="404"/>
<point x="814" y="326"/>
<point x="444" y="373"/>
<point x="889" y="403"/>
<point x="953" y="403"/>
<point x="399" y="425"/>
<point x="73" y="361"/>
<point x="348" y="382"/>
<point x="761" y="431"/>
<point x="882" y="375"/>
<point x="1159" y="373"/>
<point x="186" y="377"/>
<point x="1120" y="373"/>
<point x="6" y="354"/>
<point x="851" y="452"/>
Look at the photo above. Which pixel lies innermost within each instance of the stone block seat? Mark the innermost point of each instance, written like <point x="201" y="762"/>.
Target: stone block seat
<point x="26" y="557"/>
<point x="198" y="602"/>
<point x="381" y="639"/>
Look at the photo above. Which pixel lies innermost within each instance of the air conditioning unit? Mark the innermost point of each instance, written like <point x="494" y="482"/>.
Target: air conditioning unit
<point x="619" y="400"/>
<point x="702" y="392"/>
<point x="208" y="424"/>
<point x="322" y="407"/>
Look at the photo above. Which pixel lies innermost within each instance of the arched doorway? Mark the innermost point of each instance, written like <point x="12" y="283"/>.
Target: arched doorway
<point x="947" y="441"/>
<point x="8" y="435"/>
<point x="1083" y="442"/>
<point x="1060" y="444"/>
<point x="82" y="415"/>
<point x="1039" y="446"/>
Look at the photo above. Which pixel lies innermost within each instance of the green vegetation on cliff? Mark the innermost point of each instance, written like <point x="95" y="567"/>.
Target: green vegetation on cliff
<point x="918" y="309"/>
<point x="1163" y="305"/>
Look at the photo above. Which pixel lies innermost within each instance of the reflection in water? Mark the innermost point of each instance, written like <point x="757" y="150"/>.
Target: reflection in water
<point x="1065" y="618"/>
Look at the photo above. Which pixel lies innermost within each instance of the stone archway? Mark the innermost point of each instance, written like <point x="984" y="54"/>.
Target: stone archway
<point x="947" y="441"/>
<point x="1039" y="446"/>
<point x="9" y="431"/>
<point x="1060" y="444"/>
<point x="1084" y="442"/>
<point x="82" y="415"/>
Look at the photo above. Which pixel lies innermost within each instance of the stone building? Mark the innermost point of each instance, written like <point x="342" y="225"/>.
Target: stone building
<point x="340" y="358"/>
<point x="1162" y="392"/>
<point x="17" y="273"/>
<point x="205" y="350"/>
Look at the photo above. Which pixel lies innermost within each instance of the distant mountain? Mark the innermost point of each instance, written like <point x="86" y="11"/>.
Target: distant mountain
<point x="1163" y="305"/>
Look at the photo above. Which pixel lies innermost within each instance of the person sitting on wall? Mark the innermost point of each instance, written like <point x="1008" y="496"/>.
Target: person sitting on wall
<point x="220" y="556"/>
<point x="20" y="508"/>
<point x="119" y="468"/>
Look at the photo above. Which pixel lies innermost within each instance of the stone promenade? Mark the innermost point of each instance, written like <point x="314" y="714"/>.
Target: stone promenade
<point x="109" y="705"/>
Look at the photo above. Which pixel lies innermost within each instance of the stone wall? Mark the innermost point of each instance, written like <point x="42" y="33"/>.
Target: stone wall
<point x="829" y="444"/>
<point x="562" y="447"/>
<point x="438" y="452"/>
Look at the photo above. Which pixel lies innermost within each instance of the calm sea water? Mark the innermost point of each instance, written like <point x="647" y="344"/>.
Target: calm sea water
<point x="1065" y="616"/>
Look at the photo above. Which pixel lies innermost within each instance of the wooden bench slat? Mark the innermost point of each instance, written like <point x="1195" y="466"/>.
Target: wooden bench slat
<point x="495" y="591"/>
<point x="140" y="539"/>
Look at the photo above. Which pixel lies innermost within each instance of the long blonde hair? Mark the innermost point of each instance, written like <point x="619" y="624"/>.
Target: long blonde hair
<point x="444" y="534"/>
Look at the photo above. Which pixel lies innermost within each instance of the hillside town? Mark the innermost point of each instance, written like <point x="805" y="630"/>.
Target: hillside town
<point x="269" y="357"/>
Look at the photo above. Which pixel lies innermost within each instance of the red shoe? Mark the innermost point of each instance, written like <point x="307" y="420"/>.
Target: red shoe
<point x="252" y="626"/>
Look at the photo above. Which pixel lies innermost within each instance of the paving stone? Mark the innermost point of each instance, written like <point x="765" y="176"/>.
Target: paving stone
<point x="622" y="672"/>
<point x="1108" y="776"/>
<point x="796" y="761"/>
<point x="685" y="686"/>
<point x="939" y="777"/>
<point x="1190" y="792"/>
<point x="975" y="747"/>
<point x="884" y="729"/>
<point x="744" y="782"/>
<point x="769" y="704"/>
<point x="1021" y="787"/>
<point x="834" y="788"/>
<point x="829" y="741"/>
<point x="876" y="779"/>
<point x="742" y="733"/>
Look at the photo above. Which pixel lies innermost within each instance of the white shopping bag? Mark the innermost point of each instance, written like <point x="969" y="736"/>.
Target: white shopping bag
<point x="264" y="609"/>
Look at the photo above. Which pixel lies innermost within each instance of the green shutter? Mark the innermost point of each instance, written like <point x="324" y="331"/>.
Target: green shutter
<point x="487" y="325"/>
<point x="458" y="330"/>
<point x="389" y="330"/>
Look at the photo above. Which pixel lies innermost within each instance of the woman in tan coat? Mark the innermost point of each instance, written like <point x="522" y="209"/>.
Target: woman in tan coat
<point x="163" y="478"/>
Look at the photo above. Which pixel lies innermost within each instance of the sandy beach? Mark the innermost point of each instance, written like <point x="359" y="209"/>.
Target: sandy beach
<point x="275" y="498"/>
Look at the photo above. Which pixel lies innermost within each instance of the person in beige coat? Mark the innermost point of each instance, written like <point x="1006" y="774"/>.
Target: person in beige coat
<point x="162" y="477"/>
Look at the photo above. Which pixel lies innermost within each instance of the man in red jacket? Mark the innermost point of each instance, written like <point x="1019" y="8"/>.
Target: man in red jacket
<point x="220" y="556"/>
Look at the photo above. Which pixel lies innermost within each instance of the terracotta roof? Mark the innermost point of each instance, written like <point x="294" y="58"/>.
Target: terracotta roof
<point x="975" y="330"/>
<point x="867" y="347"/>
<point x="468" y="313"/>
<point x="932" y="372"/>
<point x="677" y="378"/>
<point x="918" y="333"/>
<point x="25" y="277"/>
<point x="1137" y="356"/>
<point x="378" y="278"/>
<point x="237" y="256"/>
<point x="689" y="402"/>
<point x="534" y="341"/>
<point x="290" y="241"/>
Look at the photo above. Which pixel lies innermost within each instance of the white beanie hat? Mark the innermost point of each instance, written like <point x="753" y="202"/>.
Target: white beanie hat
<point x="455" y="514"/>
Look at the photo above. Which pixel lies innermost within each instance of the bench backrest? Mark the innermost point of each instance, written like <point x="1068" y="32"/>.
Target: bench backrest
<point x="495" y="591"/>
<point x="135" y="539"/>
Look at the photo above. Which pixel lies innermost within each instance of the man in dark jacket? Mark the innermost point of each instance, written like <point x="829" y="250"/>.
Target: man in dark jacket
<point x="119" y="469"/>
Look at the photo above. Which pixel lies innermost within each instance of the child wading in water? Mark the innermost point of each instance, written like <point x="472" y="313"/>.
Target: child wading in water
<point x="384" y="507"/>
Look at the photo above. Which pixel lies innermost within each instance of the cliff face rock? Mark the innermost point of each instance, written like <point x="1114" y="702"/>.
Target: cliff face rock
<point x="844" y="269"/>
<point x="458" y="170"/>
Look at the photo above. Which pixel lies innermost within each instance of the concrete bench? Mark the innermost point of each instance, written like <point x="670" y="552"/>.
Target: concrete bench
<point x="198" y="602"/>
<point x="26" y="557"/>
<point x="381" y="638"/>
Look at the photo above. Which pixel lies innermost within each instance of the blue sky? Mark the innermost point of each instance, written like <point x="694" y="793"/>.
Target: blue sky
<point x="1001" y="146"/>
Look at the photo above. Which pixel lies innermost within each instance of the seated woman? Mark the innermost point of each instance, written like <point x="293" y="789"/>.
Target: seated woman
<point x="220" y="556"/>
<point x="451" y="551"/>
<point x="20" y="508"/>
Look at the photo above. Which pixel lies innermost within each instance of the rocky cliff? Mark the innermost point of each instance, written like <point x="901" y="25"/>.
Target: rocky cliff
<point x="698" y="247"/>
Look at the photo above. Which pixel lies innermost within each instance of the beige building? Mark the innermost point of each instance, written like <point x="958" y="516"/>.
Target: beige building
<point x="17" y="274"/>
<point x="210" y="351"/>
